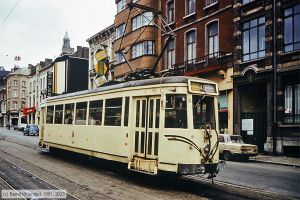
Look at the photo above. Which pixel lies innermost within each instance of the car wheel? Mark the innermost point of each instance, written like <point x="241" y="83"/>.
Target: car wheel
<point x="227" y="155"/>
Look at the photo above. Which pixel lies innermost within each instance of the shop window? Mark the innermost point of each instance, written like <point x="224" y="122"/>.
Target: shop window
<point x="81" y="109"/>
<point x="58" y="114"/>
<point x="50" y="114"/>
<point x="69" y="113"/>
<point x="175" y="111"/>
<point x="223" y="112"/>
<point x="113" y="112"/>
<point x="95" y="112"/>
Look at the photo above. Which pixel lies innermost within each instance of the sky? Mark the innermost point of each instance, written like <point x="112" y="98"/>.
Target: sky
<point x="34" y="30"/>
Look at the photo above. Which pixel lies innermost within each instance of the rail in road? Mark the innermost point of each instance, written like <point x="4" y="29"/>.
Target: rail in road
<point x="255" y="191"/>
<point x="18" y="178"/>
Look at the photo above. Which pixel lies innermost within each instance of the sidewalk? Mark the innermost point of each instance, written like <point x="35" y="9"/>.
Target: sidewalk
<point x="281" y="160"/>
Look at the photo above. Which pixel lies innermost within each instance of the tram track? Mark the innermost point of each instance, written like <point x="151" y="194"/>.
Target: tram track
<point x="265" y="193"/>
<point x="9" y="187"/>
<point x="20" y="171"/>
<point x="135" y="183"/>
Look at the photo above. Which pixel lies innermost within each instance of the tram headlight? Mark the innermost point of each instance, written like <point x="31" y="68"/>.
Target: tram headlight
<point x="206" y="148"/>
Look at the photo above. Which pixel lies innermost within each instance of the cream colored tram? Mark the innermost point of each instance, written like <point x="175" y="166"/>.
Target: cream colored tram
<point x="157" y="125"/>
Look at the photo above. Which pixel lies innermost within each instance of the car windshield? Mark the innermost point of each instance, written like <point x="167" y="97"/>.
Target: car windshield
<point x="236" y="139"/>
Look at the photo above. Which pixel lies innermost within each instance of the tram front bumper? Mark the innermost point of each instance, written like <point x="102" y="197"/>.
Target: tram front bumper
<point x="189" y="169"/>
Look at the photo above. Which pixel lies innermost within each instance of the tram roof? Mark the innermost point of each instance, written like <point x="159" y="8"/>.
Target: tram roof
<point x="136" y="83"/>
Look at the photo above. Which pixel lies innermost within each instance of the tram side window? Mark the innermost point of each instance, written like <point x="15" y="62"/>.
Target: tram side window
<point x="113" y="112"/>
<point x="95" y="112"/>
<point x="175" y="111"/>
<point x="50" y="114"/>
<point x="203" y="111"/>
<point x="58" y="114"/>
<point x="69" y="113"/>
<point x="126" y="115"/>
<point x="81" y="109"/>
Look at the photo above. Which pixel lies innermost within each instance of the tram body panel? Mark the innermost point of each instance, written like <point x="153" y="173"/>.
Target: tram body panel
<point x="154" y="138"/>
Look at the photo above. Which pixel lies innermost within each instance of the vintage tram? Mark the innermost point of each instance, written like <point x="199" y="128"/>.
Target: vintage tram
<point x="156" y="125"/>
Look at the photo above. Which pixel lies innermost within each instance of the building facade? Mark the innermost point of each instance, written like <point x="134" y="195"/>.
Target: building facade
<point x="16" y="92"/>
<point x="141" y="41"/>
<point x="99" y="42"/>
<point x="3" y="97"/>
<point x="266" y="74"/>
<point x="202" y="47"/>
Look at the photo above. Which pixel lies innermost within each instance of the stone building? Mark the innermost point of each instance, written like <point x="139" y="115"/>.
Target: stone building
<point x="202" y="47"/>
<point x="16" y="92"/>
<point x="141" y="41"/>
<point x="102" y="40"/>
<point x="266" y="73"/>
<point x="3" y="97"/>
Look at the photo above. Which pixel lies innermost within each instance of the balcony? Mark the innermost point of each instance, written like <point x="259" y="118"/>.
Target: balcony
<point x="202" y="64"/>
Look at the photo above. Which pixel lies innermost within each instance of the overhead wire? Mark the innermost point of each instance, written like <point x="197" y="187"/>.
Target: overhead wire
<point x="11" y="12"/>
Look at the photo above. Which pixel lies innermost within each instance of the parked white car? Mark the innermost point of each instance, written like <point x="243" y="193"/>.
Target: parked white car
<point x="232" y="146"/>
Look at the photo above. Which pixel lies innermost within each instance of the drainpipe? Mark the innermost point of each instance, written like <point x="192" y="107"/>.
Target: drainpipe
<point x="274" y="79"/>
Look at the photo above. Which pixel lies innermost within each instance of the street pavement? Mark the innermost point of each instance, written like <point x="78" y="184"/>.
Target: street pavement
<point x="258" y="175"/>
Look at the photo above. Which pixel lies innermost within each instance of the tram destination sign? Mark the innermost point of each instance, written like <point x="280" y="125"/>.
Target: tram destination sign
<point x="200" y="87"/>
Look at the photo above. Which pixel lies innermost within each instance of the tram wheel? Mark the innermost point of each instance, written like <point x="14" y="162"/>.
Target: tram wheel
<point x="227" y="155"/>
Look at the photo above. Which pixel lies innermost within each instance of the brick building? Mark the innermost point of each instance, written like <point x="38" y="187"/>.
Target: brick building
<point x="141" y="41"/>
<point x="203" y="46"/>
<point x="266" y="73"/>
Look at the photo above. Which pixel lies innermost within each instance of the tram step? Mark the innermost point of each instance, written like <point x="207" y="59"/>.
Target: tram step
<point x="143" y="165"/>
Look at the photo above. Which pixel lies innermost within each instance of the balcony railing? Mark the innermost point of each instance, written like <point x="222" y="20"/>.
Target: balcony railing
<point x="202" y="64"/>
<point x="210" y="2"/>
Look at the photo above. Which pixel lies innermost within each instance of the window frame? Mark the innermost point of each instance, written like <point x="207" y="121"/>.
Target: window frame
<point x="118" y="29"/>
<point x="119" y="122"/>
<point x="256" y="28"/>
<point x="194" y="48"/>
<point x="214" y="37"/>
<point x="84" y="119"/>
<point x="123" y="5"/>
<point x="101" y="111"/>
<point x="188" y="10"/>
<point x="285" y="17"/>
<point x="293" y="114"/>
<point x="172" y="11"/>
<point x="170" y="55"/>
<point x="140" y="49"/>
<point x="141" y="20"/>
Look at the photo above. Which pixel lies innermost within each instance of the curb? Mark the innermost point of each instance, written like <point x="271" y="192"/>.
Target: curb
<point x="275" y="163"/>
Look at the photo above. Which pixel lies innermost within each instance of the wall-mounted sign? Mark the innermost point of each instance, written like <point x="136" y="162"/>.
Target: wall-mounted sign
<point x="247" y="124"/>
<point x="101" y="55"/>
<point x="49" y="84"/>
<point x="27" y="111"/>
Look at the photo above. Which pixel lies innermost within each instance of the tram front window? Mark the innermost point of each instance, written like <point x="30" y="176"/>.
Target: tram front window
<point x="203" y="111"/>
<point x="175" y="112"/>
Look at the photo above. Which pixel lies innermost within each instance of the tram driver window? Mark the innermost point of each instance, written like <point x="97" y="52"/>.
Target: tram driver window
<point x="175" y="111"/>
<point x="69" y="113"/>
<point x="95" y="112"/>
<point x="203" y="111"/>
<point x="50" y="114"/>
<point x="113" y="112"/>
<point x="81" y="113"/>
<point x="58" y="114"/>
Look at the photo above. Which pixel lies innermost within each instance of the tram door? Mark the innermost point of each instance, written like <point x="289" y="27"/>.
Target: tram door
<point x="146" y="131"/>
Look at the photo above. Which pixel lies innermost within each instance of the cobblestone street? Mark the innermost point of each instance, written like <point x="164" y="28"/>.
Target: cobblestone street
<point x="95" y="179"/>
